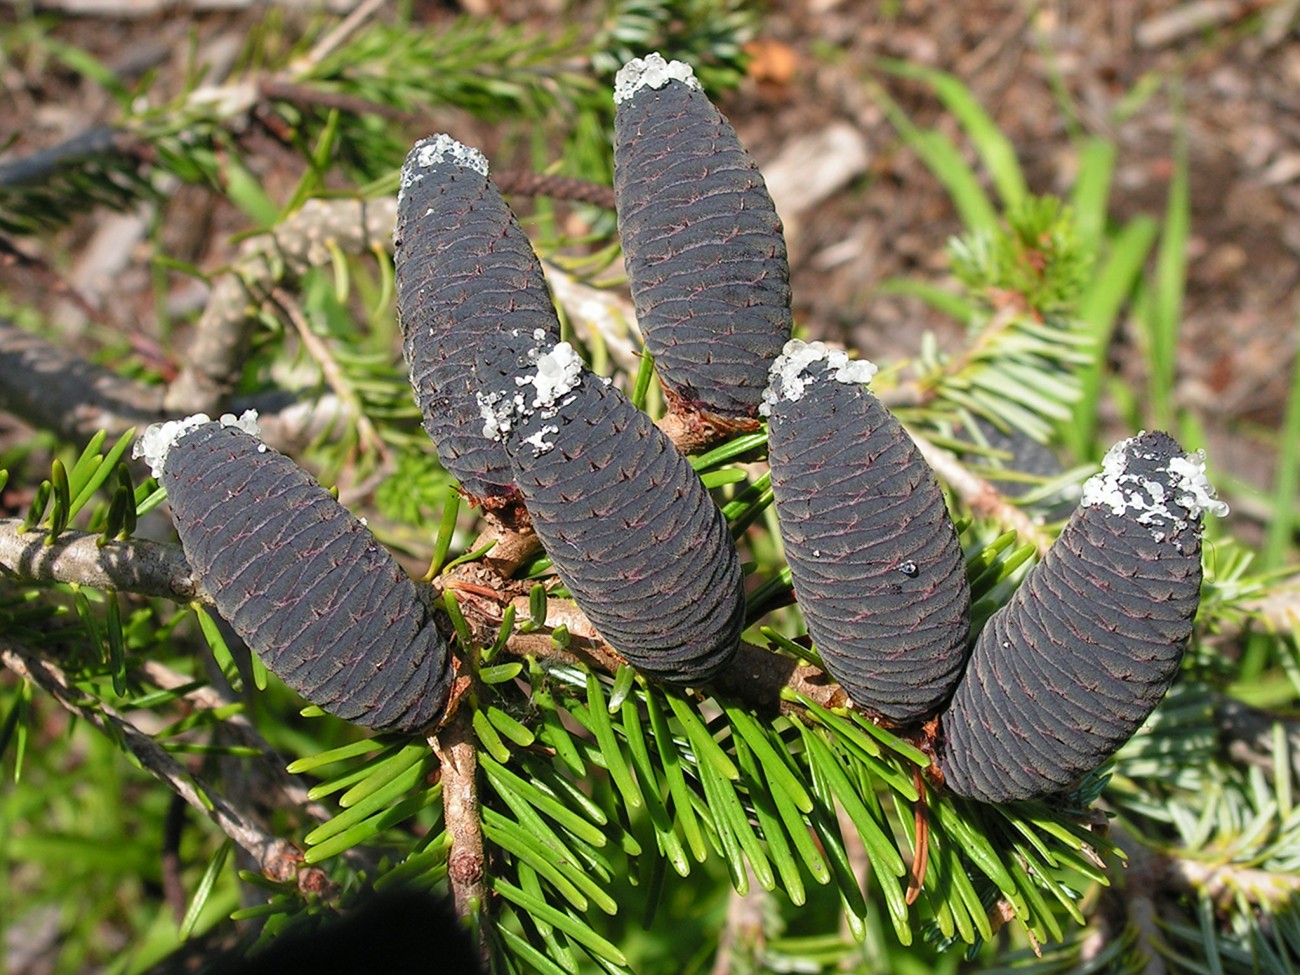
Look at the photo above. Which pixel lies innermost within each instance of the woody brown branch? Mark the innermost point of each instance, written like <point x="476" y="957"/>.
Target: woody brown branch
<point x="456" y="747"/>
<point x="52" y="389"/>
<point x="135" y="566"/>
<point x="756" y="676"/>
<point x="225" y="329"/>
<point x="293" y="792"/>
<point x="278" y="859"/>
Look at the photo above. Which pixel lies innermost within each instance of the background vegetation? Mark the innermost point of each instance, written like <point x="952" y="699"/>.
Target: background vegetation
<point x="625" y="828"/>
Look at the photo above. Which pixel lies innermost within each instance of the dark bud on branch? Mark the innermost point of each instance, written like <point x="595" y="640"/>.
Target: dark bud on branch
<point x="702" y="242"/>
<point x="1068" y="670"/>
<point x="465" y="270"/>
<point x="629" y="526"/>
<point x="876" y="563"/>
<point x="303" y="582"/>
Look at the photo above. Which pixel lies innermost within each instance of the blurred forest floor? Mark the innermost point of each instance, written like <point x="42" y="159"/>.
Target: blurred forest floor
<point x="860" y="207"/>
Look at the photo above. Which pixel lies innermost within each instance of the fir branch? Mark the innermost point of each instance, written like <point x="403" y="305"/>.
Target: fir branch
<point x="1224" y="882"/>
<point x="49" y="388"/>
<point x="136" y="566"/>
<point x="485" y="67"/>
<point x="53" y="389"/>
<point x="525" y="182"/>
<point x="293" y="793"/>
<point x="41" y="166"/>
<point x="510" y="534"/>
<point x="984" y="499"/>
<point x="278" y="859"/>
<point x="304" y="96"/>
<point x="456" y="747"/>
<point x="338" y="34"/>
<point x="333" y="373"/>
<point x="274" y="260"/>
<point x="224" y="331"/>
<point x="757" y="676"/>
<point x="1250" y="734"/>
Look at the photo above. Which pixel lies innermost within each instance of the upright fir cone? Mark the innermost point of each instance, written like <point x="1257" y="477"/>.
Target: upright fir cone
<point x="1068" y="670"/>
<point x="876" y="563"/>
<point x="303" y="582"/>
<point x="465" y="270"/>
<point x="702" y="242"/>
<point x="629" y="526"/>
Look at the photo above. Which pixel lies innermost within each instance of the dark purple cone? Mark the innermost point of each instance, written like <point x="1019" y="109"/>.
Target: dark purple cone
<point x="629" y="526"/>
<point x="465" y="269"/>
<point x="877" y="567"/>
<point x="702" y="242"/>
<point x="1067" y="671"/>
<point x="304" y="583"/>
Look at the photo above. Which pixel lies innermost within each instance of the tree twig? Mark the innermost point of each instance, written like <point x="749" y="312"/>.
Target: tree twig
<point x="985" y="500"/>
<point x="757" y="676"/>
<point x="331" y="371"/>
<point x="338" y="34"/>
<point x="1222" y="882"/>
<point x="525" y="182"/>
<point x="306" y="239"/>
<point x="276" y="89"/>
<point x="53" y="389"/>
<point x="173" y="887"/>
<point x="456" y="747"/>
<point x="1248" y="735"/>
<point x="278" y="859"/>
<point x="209" y="698"/>
<point x="741" y="940"/>
<point x="95" y="143"/>
<point x="137" y="566"/>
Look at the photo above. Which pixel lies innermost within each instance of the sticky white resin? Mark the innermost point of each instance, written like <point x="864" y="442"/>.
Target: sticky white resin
<point x="538" y="440"/>
<point x="555" y="374"/>
<point x="433" y="150"/>
<point x="159" y="438"/>
<point x="1147" y="499"/>
<point x="788" y="377"/>
<point x="651" y="71"/>
<point x="498" y="411"/>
